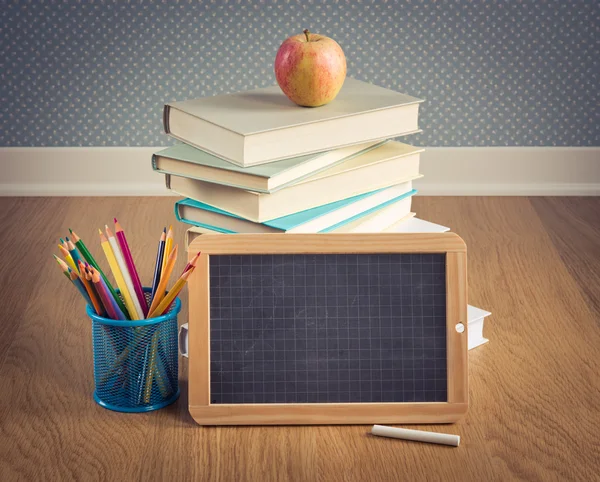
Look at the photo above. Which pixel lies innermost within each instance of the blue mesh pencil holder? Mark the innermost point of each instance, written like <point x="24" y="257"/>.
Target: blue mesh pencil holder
<point x="136" y="362"/>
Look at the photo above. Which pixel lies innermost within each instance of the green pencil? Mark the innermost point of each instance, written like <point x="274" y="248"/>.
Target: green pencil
<point x="90" y="259"/>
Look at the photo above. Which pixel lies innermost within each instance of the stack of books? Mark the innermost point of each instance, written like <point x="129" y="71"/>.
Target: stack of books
<point x="254" y="162"/>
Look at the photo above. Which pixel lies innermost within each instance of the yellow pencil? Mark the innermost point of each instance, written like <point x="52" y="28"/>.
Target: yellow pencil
<point x="168" y="248"/>
<point x="114" y="267"/>
<point x="172" y="294"/>
<point x="164" y="279"/>
<point x="68" y="258"/>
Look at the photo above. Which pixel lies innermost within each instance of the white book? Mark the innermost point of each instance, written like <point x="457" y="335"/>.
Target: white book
<point x="475" y="317"/>
<point x="263" y="125"/>
<point x="379" y="220"/>
<point x="416" y="225"/>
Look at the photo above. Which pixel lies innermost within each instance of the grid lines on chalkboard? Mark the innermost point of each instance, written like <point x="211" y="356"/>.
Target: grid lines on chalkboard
<point x="328" y="328"/>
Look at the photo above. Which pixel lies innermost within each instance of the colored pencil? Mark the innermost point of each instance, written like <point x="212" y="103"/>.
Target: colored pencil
<point x="123" y="267"/>
<point x="67" y="256"/>
<point x="63" y="266"/>
<point x="88" y="277"/>
<point x="171" y="295"/>
<point x="116" y="307"/>
<point x="137" y="285"/>
<point x="158" y="265"/>
<point x="119" y="313"/>
<point x="90" y="259"/>
<point x="73" y="251"/>
<point x="164" y="279"/>
<point x="168" y="247"/>
<point x="114" y="266"/>
<point x="74" y="277"/>
<point x="192" y="263"/>
<point x="105" y="296"/>
<point x="96" y="303"/>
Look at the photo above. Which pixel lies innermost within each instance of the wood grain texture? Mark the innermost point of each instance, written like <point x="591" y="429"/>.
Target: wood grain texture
<point x="534" y="389"/>
<point x="328" y="243"/>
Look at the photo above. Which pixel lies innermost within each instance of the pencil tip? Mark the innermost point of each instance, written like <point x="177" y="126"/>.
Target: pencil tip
<point x="61" y="240"/>
<point x="70" y="230"/>
<point x="115" y="220"/>
<point x="100" y="231"/>
<point x="165" y="229"/>
<point x="67" y="238"/>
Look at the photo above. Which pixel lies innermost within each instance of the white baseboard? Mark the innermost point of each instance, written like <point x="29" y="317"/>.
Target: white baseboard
<point x="510" y="171"/>
<point x="455" y="171"/>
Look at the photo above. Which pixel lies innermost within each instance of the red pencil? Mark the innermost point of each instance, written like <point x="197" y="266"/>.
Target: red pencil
<point x="137" y="285"/>
<point x="192" y="263"/>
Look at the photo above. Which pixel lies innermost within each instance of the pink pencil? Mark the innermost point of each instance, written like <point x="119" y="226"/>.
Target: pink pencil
<point x="137" y="285"/>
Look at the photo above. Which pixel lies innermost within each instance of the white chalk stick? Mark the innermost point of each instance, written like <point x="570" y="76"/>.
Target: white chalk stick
<point x="416" y="435"/>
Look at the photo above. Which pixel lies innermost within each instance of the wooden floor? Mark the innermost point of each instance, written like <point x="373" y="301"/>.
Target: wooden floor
<point x="534" y="389"/>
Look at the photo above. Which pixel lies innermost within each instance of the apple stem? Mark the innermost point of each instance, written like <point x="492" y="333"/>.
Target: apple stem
<point x="307" y="33"/>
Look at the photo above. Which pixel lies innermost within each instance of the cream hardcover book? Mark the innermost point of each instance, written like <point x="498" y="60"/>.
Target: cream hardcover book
<point x="387" y="165"/>
<point x="263" y="125"/>
<point x="187" y="161"/>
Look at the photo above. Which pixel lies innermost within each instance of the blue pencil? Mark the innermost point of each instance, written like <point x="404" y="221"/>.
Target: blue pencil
<point x="79" y="285"/>
<point x="74" y="253"/>
<point x="159" y="262"/>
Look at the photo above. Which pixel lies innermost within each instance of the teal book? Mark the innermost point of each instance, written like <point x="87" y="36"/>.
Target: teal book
<point x="187" y="161"/>
<point x="315" y="220"/>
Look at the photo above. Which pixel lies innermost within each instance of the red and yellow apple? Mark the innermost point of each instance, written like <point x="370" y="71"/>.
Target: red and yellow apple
<point x="310" y="69"/>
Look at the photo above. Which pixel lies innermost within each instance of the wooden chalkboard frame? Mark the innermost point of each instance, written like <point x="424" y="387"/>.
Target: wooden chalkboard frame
<point x="450" y="411"/>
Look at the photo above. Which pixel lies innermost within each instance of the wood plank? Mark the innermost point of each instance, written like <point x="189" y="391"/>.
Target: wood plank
<point x="573" y="225"/>
<point x="328" y="243"/>
<point x="456" y="312"/>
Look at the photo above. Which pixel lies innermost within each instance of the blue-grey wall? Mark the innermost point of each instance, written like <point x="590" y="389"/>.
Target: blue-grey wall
<point x="92" y="73"/>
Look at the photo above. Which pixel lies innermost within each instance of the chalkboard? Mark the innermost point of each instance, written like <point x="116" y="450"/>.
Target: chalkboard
<point x="328" y="328"/>
<point x="319" y="328"/>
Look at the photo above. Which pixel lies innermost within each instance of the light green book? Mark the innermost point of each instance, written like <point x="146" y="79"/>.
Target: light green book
<point x="262" y="125"/>
<point x="186" y="161"/>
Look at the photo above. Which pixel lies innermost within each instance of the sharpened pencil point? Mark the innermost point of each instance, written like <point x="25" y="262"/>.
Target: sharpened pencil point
<point x="115" y="220"/>
<point x="165" y="229"/>
<point x="99" y="231"/>
<point x="61" y="240"/>
<point x="67" y="238"/>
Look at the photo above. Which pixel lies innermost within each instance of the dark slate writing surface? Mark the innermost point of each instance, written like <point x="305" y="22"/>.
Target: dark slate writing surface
<point x="325" y="328"/>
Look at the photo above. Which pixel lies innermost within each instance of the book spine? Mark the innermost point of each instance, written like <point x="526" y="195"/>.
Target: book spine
<point x="166" y="118"/>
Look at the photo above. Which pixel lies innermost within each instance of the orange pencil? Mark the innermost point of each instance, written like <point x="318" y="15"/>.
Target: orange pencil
<point x="164" y="279"/>
<point x="98" y="307"/>
<point x="167" y="300"/>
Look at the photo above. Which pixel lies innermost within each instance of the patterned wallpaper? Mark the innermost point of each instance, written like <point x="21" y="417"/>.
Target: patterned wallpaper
<point x="497" y="73"/>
